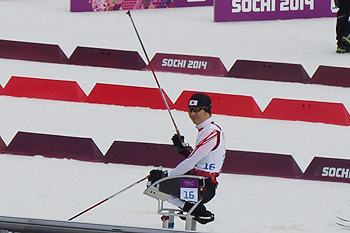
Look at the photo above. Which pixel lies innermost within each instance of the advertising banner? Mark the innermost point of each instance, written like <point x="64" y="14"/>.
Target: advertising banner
<point x="114" y="5"/>
<point x="274" y="71"/>
<point x="251" y="10"/>
<point x="188" y="64"/>
<point x="261" y="164"/>
<point x="328" y="169"/>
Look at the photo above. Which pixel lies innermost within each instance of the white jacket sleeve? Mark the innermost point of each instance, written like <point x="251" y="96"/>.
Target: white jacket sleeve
<point x="207" y="143"/>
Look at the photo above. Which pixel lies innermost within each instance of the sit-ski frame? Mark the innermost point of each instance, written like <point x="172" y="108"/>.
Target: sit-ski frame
<point x="156" y="191"/>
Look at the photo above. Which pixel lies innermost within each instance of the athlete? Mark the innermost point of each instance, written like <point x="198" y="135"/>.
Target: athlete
<point x="343" y="26"/>
<point x="205" y="160"/>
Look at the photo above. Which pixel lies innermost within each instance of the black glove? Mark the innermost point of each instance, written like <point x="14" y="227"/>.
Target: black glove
<point x="179" y="143"/>
<point x="155" y="175"/>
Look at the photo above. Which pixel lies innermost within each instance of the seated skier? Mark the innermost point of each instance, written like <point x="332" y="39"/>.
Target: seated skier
<point x="205" y="160"/>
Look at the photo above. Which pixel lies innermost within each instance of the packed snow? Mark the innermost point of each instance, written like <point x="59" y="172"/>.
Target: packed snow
<point x="57" y="189"/>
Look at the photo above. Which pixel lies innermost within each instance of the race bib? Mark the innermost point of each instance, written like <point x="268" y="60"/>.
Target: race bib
<point x="189" y="190"/>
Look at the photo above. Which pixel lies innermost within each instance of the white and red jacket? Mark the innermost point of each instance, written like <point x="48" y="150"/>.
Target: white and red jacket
<point x="208" y="156"/>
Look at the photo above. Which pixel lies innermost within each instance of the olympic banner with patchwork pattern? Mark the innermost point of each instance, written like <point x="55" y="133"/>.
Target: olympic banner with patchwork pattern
<point x="114" y="5"/>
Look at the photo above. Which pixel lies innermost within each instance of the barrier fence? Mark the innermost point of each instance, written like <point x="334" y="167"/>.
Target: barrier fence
<point x="176" y="63"/>
<point x="131" y="96"/>
<point x="309" y="111"/>
<point x="44" y="89"/>
<point x="187" y="64"/>
<point x="328" y="169"/>
<point x="240" y="162"/>
<point x="32" y="51"/>
<point x="127" y="96"/>
<point x="54" y="146"/>
<point x="152" y="154"/>
<point x="106" y="58"/>
<point x="232" y="105"/>
<point x="272" y="71"/>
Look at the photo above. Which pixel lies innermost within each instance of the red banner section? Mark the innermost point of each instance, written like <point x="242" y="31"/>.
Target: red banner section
<point x="132" y="96"/>
<point x="328" y="169"/>
<point x="271" y="71"/>
<point x="232" y="105"/>
<point x="1" y="89"/>
<point x="44" y="89"/>
<point x="55" y="146"/>
<point x="262" y="164"/>
<point x="32" y="51"/>
<point x="107" y="58"/>
<point x="188" y="64"/>
<point x="331" y="76"/>
<point x="128" y="96"/>
<point x="310" y="111"/>
<point x="144" y="154"/>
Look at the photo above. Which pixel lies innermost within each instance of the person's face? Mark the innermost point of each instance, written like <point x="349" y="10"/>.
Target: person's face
<point x="197" y="115"/>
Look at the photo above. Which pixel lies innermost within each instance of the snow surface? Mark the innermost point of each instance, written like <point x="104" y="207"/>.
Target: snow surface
<point x="57" y="189"/>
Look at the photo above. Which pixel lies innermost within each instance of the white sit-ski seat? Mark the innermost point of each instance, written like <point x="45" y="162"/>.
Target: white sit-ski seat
<point x="185" y="187"/>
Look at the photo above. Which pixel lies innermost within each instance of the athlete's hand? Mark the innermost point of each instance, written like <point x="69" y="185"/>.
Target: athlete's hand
<point x="178" y="143"/>
<point x="156" y="174"/>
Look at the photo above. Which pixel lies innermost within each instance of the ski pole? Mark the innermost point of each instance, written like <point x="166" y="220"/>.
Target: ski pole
<point x="154" y="75"/>
<point x="108" y="198"/>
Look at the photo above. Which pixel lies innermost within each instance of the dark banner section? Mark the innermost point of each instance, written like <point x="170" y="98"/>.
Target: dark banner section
<point x="309" y="111"/>
<point x="128" y="96"/>
<point x="328" y="169"/>
<point x="55" y="146"/>
<point x="107" y="58"/>
<point x="272" y="71"/>
<point x="44" y="89"/>
<point x="3" y="146"/>
<point x="145" y="154"/>
<point x="176" y="63"/>
<point x="32" y="51"/>
<point x="188" y="64"/>
<point x="232" y="105"/>
<point x="236" y="162"/>
<point x="331" y="76"/>
<point x="165" y="155"/>
<point x="261" y="164"/>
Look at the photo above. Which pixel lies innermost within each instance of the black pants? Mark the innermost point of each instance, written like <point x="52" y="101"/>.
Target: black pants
<point x="210" y="190"/>
<point x="207" y="194"/>
<point x="343" y="24"/>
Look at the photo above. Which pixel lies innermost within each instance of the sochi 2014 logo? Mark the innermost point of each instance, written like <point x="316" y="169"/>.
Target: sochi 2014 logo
<point x="271" y="5"/>
<point x="337" y="172"/>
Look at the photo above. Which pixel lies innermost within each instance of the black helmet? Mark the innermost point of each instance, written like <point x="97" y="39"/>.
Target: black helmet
<point x="200" y="100"/>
